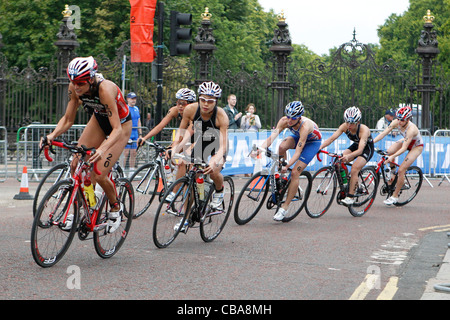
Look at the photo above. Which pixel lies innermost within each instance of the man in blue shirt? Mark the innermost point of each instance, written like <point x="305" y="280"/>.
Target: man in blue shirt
<point x="136" y="132"/>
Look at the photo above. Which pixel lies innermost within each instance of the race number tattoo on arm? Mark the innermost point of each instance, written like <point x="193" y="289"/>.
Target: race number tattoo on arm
<point x="69" y="95"/>
<point x="108" y="110"/>
<point x="299" y="144"/>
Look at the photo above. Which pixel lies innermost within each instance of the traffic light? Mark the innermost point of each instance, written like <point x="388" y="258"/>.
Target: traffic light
<point x="178" y="34"/>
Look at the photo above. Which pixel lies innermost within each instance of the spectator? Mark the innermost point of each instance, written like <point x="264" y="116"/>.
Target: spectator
<point x="234" y="116"/>
<point x="386" y="120"/>
<point x="130" y="149"/>
<point x="149" y="122"/>
<point x="250" y="122"/>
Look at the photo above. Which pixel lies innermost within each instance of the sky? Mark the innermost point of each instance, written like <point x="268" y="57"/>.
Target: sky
<point x="324" y="24"/>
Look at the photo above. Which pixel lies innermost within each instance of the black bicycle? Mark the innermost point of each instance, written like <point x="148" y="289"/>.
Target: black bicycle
<point x="325" y="185"/>
<point x="191" y="205"/>
<point x="411" y="186"/>
<point x="254" y="192"/>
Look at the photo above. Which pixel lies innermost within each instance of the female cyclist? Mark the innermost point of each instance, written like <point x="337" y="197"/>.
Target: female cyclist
<point x="111" y="118"/>
<point x="411" y="141"/>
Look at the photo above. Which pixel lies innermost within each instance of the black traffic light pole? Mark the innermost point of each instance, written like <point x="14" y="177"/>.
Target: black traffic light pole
<point x="159" y="67"/>
<point x="178" y="34"/>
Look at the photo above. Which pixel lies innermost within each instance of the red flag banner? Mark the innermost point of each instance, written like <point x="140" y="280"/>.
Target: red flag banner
<point x="141" y="30"/>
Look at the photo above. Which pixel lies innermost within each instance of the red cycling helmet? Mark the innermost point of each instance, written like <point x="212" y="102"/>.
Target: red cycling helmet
<point x="404" y="113"/>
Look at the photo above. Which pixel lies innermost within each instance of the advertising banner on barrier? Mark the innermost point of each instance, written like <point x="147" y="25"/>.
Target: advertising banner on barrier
<point x="240" y="146"/>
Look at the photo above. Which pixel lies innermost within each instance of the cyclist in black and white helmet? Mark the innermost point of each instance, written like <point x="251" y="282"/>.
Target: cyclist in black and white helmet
<point x="304" y="136"/>
<point x="210" y="134"/>
<point x="361" y="150"/>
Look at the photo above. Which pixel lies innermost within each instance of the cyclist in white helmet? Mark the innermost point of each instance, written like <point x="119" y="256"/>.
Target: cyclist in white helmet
<point x="210" y="133"/>
<point x="110" y="118"/>
<point x="361" y="150"/>
<point x="304" y="137"/>
<point x="412" y="142"/>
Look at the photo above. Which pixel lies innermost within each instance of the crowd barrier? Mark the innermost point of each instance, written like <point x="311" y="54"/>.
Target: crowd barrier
<point x="3" y="154"/>
<point x="434" y="161"/>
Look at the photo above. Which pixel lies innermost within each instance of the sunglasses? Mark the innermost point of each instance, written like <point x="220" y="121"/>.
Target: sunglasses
<point x="207" y="100"/>
<point x="79" y="83"/>
<point x="293" y="118"/>
<point x="182" y="103"/>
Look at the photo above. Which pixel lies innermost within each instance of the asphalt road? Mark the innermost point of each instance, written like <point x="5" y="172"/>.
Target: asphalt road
<point x="306" y="259"/>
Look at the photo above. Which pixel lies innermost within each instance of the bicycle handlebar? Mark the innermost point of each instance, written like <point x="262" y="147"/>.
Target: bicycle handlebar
<point x="269" y="154"/>
<point x="72" y="148"/>
<point x="334" y="155"/>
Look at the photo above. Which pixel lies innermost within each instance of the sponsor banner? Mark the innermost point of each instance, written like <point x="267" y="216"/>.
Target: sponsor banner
<point x="240" y="146"/>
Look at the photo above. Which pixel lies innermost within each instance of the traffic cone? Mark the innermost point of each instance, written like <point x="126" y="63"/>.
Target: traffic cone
<point x="24" y="193"/>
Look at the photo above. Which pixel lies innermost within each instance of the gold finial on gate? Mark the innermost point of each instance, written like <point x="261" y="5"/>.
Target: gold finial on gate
<point x="428" y="18"/>
<point x="281" y="16"/>
<point x="67" y="12"/>
<point x="206" y="15"/>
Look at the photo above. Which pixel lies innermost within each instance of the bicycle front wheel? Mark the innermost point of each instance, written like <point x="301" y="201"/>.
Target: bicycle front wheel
<point x="323" y="190"/>
<point x="54" y="224"/>
<point x="251" y="198"/>
<point x="411" y="186"/>
<point x="53" y="175"/>
<point x="213" y="221"/>
<point x="171" y="215"/>
<point x="300" y="198"/>
<point x="145" y="183"/>
<point x="107" y="244"/>
<point x="366" y="191"/>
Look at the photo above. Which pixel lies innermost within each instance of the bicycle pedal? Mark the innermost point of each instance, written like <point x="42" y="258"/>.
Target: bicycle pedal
<point x="100" y="227"/>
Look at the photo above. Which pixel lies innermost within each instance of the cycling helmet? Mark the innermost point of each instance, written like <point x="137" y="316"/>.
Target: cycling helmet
<point x="82" y="69"/>
<point x="352" y="115"/>
<point x="294" y="110"/>
<point x="186" y="94"/>
<point x="210" y="89"/>
<point x="404" y="113"/>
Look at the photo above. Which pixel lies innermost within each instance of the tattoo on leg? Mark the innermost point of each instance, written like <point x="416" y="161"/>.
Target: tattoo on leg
<point x="108" y="159"/>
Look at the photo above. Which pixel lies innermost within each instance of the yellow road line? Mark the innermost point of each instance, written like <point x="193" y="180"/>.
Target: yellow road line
<point x="390" y="289"/>
<point x="363" y="289"/>
<point x="434" y="227"/>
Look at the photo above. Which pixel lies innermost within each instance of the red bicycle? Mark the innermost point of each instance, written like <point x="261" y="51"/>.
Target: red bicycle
<point x="66" y="210"/>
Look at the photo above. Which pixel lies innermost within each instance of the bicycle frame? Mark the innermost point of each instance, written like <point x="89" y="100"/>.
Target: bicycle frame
<point x="91" y="214"/>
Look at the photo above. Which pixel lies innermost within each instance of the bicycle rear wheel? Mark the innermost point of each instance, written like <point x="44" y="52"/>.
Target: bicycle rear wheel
<point x="52" y="176"/>
<point x="212" y="224"/>
<point x="411" y="186"/>
<point x="107" y="244"/>
<point x="171" y="216"/>
<point x="145" y="185"/>
<point x="51" y="233"/>
<point x="251" y="198"/>
<point x="323" y="190"/>
<point x="300" y="198"/>
<point x="366" y="191"/>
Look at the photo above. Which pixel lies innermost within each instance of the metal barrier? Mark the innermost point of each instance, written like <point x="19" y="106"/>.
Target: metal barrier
<point x="441" y="154"/>
<point x="3" y="154"/>
<point x="435" y="160"/>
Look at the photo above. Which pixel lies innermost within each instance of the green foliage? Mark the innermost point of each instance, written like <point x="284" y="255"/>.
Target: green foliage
<point x="400" y="33"/>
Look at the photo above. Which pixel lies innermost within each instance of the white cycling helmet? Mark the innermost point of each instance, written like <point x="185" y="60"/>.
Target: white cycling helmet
<point x="210" y="89"/>
<point x="186" y="94"/>
<point x="352" y="115"/>
<point x="82" y="69"/>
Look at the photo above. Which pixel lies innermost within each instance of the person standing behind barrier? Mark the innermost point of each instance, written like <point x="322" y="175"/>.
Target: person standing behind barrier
<point x="305" y="138"/>
<point x="234" y="116"/>
<point x="250" y="122"/>
<point x="411" y="141"/>
<point x="361" y="150"/>
<point x="149" y="122"/>
<point x="136" y="133"/>
<point x="386" y="120"/>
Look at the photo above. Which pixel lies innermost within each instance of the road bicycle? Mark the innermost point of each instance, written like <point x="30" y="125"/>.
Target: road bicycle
<point x="57" y="173"/>
<point x="150" y="180"/>
<point x="328" y="179"/>
<point x="411" y="186"/>
<point x="254" y="192"/>
<point x="191" y="206"/>
<point x="66" y="210"/>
